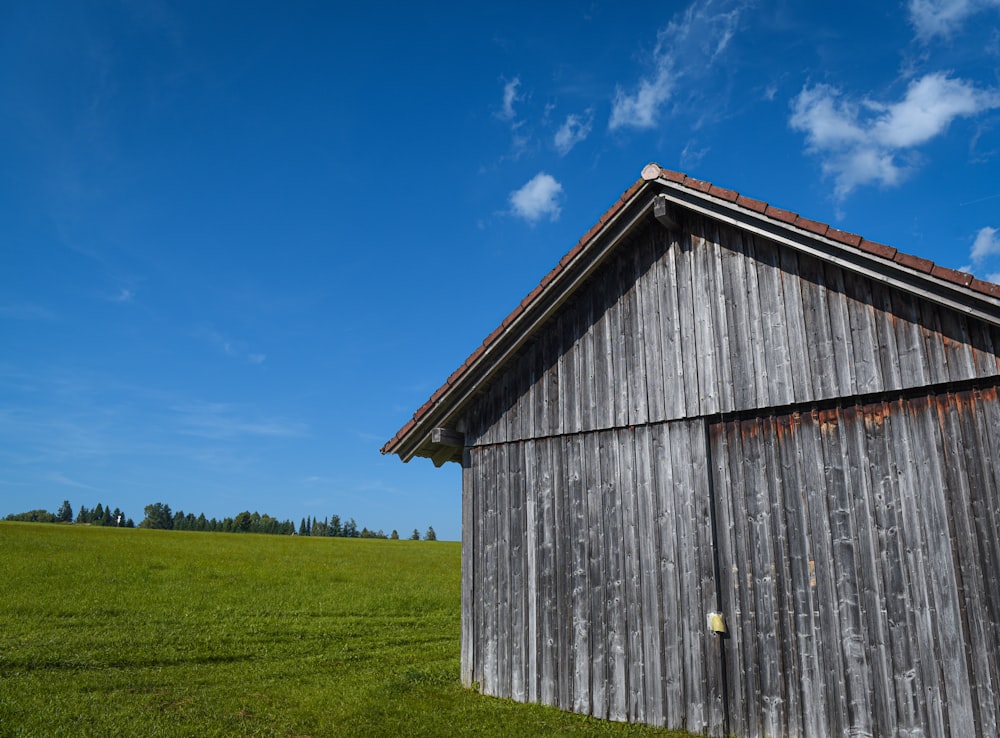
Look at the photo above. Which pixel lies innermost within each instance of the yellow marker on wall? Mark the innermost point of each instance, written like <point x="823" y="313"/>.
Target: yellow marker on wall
<point x="717" y="623"/>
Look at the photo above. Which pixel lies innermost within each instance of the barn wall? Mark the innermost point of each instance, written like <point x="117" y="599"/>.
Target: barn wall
<point x="590" y="571"/>
<point x="718" y="421"/>
<point x="860" y="568"/>
<point x="854" y="552"/>
<point x="680" y="326"/>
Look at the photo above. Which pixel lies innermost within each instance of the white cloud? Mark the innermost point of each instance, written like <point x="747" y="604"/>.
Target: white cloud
<point x="686" y="46"/>
<point x="861" y="142"/>
<point x="932" y="18"/>
<point x="573" y="131"/>
<point x="987" y="244"/>
<point x="510" y="97"/>
<point x="931" y="103"/>
<point x="538" y="198"/>
<point x="641" y="110"/>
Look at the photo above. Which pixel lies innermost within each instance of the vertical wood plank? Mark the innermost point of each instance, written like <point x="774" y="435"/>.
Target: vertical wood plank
<point x="672" y="357"/>
<point x="687" y="345"/>
<point x="669" y="575"/>
<point x="577" y="491"/>
<point x="776" y="446"/>
<point x="702" y="353"/>
<point x="840" y="331"/>
<point x="799" y="488"/>
<point x="596" y="564"/>
<point x="469" y="572"/>
<point x="535" y="569"/>
<point x="816" y="314"/>
<point x="647" y="511"/>
<point x="913" y="367"/>
<point x="744" y="356"/>
<point x="560" y="619"/>
<point x="632" y="577"/>
<point x="745" y="707"/>
<point x="864" y="335"/>
<point x="721" y="326"/>
<point x="828" y="633"/>
<point x="761" y="377"/>
<point x="648" y="289"/>
<point x="772" y="321"/>
<point x="795" y="326"/>
<point x="614" y="575"/>
<point x="633" y="330"/>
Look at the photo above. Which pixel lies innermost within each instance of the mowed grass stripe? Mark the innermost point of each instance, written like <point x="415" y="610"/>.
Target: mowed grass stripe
<point x="117" y="632"/>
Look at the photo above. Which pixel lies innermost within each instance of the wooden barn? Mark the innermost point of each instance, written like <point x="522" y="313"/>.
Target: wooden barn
<point x="712" y="405"/>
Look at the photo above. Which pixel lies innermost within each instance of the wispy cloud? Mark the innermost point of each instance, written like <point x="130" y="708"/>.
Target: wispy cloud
<point x="538" y="198"/>
<point x="688" y="45"/>
<point x="510" y="97"/>
<point x="862" y="142"/>
<point x="574" y="130"/>
<point x="222" y="421"/>
<point x="231" y="347"/>
<point x="942" y="18"/>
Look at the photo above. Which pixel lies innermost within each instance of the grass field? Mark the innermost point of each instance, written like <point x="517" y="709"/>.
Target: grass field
<point x="108" y="632"/>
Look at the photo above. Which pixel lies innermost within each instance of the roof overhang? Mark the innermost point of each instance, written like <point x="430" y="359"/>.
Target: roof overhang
<point x="666" y="196"/>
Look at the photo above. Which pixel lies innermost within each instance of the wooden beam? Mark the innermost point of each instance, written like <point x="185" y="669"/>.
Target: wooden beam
<point x="664" y="214"/>
<point x="447" y="437"/>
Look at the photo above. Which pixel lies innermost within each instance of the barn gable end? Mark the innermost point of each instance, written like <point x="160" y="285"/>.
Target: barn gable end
<point x="714" y="405"/>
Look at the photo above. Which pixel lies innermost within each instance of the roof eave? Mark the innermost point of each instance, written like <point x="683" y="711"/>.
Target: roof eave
<point x="518" y="328"/>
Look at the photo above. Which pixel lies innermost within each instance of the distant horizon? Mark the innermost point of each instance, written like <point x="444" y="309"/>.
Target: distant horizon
<point x="325" y="520"/>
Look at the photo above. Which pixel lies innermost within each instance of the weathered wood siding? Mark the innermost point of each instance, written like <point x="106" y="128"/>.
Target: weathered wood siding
<point x="592" y="571"/>
<point x="680" y="326"/>
<point x="860" y="549"/>
<point x="858" y="565"/>
<point x="716" y="421"/>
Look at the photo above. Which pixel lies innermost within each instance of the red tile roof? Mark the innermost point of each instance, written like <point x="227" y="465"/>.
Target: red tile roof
<point x="653" y="172"/>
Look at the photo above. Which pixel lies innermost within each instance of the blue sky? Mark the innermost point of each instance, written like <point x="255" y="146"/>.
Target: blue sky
<point x="240" y="243"/>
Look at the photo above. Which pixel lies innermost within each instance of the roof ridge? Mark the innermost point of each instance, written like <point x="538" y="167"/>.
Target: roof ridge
<point x="652" y="172"/>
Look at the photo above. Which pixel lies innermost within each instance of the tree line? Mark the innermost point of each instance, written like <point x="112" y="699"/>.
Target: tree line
<point x="99" y="515"/>
<point x="159" y="516"/>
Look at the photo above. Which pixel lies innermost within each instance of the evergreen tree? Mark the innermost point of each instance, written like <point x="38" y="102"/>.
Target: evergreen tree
<point x="430" y="535"/>
<point x="65" y="512"/>
<point x="416" y="535"/>
<point x="302" y="528"/>
<point x="350" y="529"/>
<point x="394" y="536"/>
<point x="336" y="529"/>
<point x="106" y="517"/>
<point x="83" y="516"/>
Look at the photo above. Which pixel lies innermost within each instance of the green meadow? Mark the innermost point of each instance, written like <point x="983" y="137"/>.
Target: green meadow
<point x="114" y="632"/>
